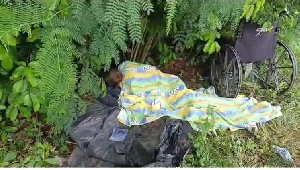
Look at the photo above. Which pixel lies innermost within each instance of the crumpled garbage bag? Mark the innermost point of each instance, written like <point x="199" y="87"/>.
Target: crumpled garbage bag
<point x="104" y="142"/>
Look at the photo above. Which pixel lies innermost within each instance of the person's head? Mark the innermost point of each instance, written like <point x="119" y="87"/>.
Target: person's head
<point x="113" y="78"/>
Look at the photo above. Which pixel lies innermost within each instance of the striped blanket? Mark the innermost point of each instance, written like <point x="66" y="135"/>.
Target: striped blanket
<point x="148" y="94"/>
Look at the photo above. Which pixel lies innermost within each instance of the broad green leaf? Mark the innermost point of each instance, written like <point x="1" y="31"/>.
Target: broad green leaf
<point x="2" y="107"/>
<point x="4" y="137"/>
<point x="174" y="56"/>
<point x="15" y="99"/>
<point x="22" y="63"/>
<point x="27" y="101"/>
<point x="52" y="161"/>
<point x="206" y="47"/>
<point x="5" y="58"/>
<point x="38" y="158"/>
<point x="9" y="39"/>
<point x="17" y="73"/>
<point x="30" y="77"/>
<point x="27" y="159"/>
<point x="16" y="165"/>
<point x="212" y="48"/>
<point x="1" y="93"/>
<point x="13" y="114"/>
<point x="165" y="47"/>
<point x="217" y="46"/>
<point x="17" y="86"/>
<point x="7" y="64"/>
<point x="35" y="34"/>
<point x="33" y="64"/>
<point x="10" y="156"/>
<point x="9" y="108"/>
<point x="39" y="164"/>
<point x="4" y="164"/>
<point x="30" y="164"/>
<point x="25" y="86"/>
<point x="25" y="112"/>
<point x="35" y="102"/>
<point x="11" y="129"/>
<point x="207" y="37"/>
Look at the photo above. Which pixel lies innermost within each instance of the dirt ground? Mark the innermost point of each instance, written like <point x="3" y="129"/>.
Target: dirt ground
<point x="194" y="76"/>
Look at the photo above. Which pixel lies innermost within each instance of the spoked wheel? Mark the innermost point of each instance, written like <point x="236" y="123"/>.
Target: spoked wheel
<point x="280" y="72"/>
<point x="226" y="72"/>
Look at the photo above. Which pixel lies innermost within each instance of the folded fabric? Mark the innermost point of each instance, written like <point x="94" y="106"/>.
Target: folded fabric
<point x="148" y="94"/>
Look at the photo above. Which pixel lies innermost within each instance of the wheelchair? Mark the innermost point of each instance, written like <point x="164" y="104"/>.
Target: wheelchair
<point x="256" y="55"/>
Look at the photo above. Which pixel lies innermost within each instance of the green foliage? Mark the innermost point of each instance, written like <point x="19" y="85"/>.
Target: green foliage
<point x="58" y="79"/>
<point x="102" y="50"/>
<point x="40" y="157"/>
<point x="284" y="14"/>
<point x="23" y="144"/>
<point x="18" y="16"/>
<point x="126" y="14"/>
<point x="166" y="54"/>
<point x="6" y="61"/>
<point x="171" y="11"/>
<point x="73" y="40"/>
<point x="223" y="150"/>
<point x="24" y="96"/>
<point x="90" y="84"/>
<point x="68" y="41"/>
<point x="7" y="158"/>
<point x="203" y="21"/>
<point x="251" y="8"/>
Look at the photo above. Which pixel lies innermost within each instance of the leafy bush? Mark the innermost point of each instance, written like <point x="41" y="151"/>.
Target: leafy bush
<point x="52" y="51"/>
<point x="73" y="40"/>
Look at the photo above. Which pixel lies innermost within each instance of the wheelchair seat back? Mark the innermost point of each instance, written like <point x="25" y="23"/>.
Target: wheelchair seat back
<point x="254" y="45"/>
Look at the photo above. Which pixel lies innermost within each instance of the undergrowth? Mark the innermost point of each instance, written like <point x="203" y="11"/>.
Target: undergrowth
<point x="244" y="149"/>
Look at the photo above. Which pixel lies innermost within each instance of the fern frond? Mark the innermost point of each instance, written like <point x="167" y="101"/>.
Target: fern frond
<point x="83" y="16"/>
<point x="203" y="17"/>
<point x="57" y="71"/>
<point x="147" y="6"/>
<point x="134" y="21"/>
<point x="61" y="113"/>
<point x="90" y="84"/>
<point x="98" y="10"/>
<point x="103" y="50"/>
<point x="5" y="2"/>
<point x="117" y="10"/>
<point x="68" y="28"/>
<point x="79" y="7"/>
<point x="25" y="13"/>
<point x="126" y="15"/>
<point x="171" y="7"/>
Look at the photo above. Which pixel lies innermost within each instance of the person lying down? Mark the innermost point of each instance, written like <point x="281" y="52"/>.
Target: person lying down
<point x="147" y="94"/>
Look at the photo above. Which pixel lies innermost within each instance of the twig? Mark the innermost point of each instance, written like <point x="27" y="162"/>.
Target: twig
<point x="71" y="142"/>
<point x="147" y="48"/>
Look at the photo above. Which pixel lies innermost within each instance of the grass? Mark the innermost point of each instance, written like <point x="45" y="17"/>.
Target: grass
<point x="244" y="149"/>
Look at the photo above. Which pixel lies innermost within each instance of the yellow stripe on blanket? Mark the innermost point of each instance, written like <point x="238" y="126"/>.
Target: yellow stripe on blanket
<point x="148" y="94"/>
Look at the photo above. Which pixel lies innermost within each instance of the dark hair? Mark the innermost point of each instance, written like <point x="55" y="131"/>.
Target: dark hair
<point x="106" y="75"/>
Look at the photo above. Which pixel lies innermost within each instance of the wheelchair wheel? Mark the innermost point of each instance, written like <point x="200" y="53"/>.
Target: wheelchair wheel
<point x="280" y="72"/>
<point x="226" y="72"/>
